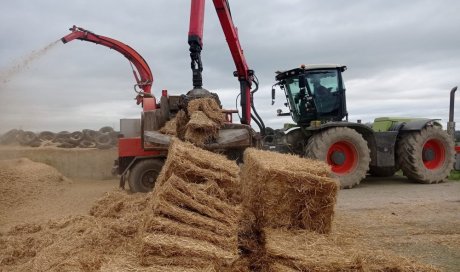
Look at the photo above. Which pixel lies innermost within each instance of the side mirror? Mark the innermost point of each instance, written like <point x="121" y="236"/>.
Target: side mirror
<point x="302" y="86"/>
<point x="273" y="96"/>
<point x="302" y="83"/>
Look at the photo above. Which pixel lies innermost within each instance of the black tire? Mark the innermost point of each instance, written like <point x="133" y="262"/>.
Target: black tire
<point x="46" y="136"/>
<point x="87" y="144"/>
<point x="349" y="146"/>
<point x="61" y="137"/>
<point x="10" y="137"/>
<point x="269" y="131"/>
<point x="27" y="137"/>
<point x="76" y="137"/>
<point x="382" y="171"/>
<point x="66" y="145"/>
<point x="143" y="175"/>
<point x="114" y="136"/>
<point x="103" y="141"/>
<point x="36" y="143"/>
<point x="106" y="129"/>
<point x="426" y="156"/>
<point x="90" y="134"/>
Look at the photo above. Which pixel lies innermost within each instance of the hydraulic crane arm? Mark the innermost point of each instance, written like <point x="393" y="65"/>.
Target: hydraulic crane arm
<point x="195" y="40"/>
<point x="143" y="76"/>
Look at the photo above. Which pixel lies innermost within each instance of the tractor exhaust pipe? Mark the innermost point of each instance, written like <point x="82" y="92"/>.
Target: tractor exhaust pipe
<point x="451" y="123"/>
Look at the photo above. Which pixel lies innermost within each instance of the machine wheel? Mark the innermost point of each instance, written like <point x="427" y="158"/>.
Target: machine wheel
<point x="345" y="150"/>
<point x="426" y="156"/>
<point x="382" y="171"/>
<point x="143" y="175"/>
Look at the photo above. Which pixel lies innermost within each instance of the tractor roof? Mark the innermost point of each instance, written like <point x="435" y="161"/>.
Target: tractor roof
<point x="288" y="73"/>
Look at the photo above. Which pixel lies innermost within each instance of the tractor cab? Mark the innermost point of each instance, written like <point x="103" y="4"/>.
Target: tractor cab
<point x="314" y="92"/>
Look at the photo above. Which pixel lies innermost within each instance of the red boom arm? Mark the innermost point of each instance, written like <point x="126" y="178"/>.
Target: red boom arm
<point x="195" y="39"/>
<point x="144" y="77"/>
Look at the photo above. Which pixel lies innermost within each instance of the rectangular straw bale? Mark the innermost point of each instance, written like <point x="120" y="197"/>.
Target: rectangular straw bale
<point x="196" y="165"/>
<point x="288" y="191"/>
<point x="173" y="227"/>
<point x="192" y="218"/>
<point x="198" y="137"/>
<point x="188" y="196"/>
<point x="175" y="263"/>
<point x="208" y="106"/>
<point x="165" y="245"/>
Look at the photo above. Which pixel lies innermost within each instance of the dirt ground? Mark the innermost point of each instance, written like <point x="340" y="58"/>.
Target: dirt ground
<point x="413" y="220"/>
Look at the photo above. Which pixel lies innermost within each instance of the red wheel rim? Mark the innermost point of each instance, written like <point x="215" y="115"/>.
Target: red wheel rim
<point x="437" y="152"/>
<point x="350" y="157"/>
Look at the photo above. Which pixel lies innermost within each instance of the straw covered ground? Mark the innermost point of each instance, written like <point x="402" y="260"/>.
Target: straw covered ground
<point x="22" y="180"/>
<point x="181" y="226"/>
<point x="301" y="250"/>
<point x="202" y="216"/>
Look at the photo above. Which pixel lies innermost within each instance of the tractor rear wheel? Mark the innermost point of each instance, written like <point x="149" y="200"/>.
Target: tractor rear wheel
<point x="143" y="175"/>
<point x="345" y="150"/>
<point x="426" y="156"/>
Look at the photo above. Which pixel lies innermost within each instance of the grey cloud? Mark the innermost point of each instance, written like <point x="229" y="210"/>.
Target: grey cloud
<point x="402" y="55"/>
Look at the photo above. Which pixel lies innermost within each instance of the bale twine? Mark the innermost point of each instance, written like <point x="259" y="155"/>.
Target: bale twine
<point x="284" y="190"/>
<point x="196" y="165"/>
<point x="193" y="217"/>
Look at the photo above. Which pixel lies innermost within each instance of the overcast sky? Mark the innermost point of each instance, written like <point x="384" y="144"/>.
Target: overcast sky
<point x="403" y="56"/>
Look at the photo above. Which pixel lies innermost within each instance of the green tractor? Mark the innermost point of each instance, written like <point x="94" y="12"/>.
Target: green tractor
<point x="317" y="102"/>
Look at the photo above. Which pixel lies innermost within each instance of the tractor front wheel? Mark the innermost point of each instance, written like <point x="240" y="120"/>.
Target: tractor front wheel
<point x="345" y="150"/>
<point x="143" y="175"/>
<point x="426" y="156"/>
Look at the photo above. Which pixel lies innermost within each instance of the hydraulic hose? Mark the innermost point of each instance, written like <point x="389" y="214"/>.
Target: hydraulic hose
<point x="257" y="118"/>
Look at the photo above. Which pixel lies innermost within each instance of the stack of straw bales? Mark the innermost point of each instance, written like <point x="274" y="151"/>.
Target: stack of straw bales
<point x="199" y="124"/>
<point x="286" y="191"/>
<point x="288" y="207"/>
<point x="194" y="215"/>
<point x="283" y="192"/>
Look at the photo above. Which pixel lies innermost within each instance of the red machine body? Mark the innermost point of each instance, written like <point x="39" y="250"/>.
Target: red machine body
<point x="143" y="76"/>
<point x="127" y="147"/>
<point x="195" y="39"/>
<point x="143" y="165"/>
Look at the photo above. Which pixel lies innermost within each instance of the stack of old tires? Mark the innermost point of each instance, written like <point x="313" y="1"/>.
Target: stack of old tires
<point x="104" y="138"/>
